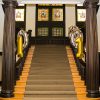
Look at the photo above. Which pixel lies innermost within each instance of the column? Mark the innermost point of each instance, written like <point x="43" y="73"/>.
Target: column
<point x="8" y="71"/>
<point x="92" y="57"/>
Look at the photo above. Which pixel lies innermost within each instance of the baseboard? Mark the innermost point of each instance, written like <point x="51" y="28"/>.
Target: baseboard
<point x="0" y="53"/>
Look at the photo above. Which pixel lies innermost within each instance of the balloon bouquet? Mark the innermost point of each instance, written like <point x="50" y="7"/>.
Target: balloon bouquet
<point x="22" y="42"/>
<point x="76" y="40"/>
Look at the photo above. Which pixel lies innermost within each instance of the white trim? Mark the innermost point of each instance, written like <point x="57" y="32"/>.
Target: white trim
<point x="1" y="2"/>
<point x="51" y="1"/>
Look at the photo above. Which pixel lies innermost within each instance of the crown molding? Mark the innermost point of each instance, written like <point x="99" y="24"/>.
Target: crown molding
<point x="51" y="1"/>
<point x="1" y="2"/>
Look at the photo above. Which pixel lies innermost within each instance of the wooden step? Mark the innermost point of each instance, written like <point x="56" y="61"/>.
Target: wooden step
<point x="51" y="97"/>
<point x="50" y="93"/>
<point x="50" y="87"/>
<point x="50" y="82"/>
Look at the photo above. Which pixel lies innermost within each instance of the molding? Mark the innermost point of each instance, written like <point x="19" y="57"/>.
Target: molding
<point x="50" y="1"/>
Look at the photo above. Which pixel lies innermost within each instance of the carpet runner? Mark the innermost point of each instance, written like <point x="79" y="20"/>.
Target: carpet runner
<point x="50" y="75"/>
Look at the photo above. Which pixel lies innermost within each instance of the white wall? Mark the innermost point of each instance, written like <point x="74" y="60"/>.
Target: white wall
<point x="98" y="23"/>
<point x="69" y="17"/>
<point x="1" y="27"/>
<point x="31" y="18"/>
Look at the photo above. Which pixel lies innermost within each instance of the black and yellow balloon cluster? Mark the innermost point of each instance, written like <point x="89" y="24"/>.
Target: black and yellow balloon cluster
<point x="22" y="42"/>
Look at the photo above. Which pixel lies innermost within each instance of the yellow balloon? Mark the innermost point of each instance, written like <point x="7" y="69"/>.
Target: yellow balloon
<point x="20" y="46"/>
<point x="79" y="42"/>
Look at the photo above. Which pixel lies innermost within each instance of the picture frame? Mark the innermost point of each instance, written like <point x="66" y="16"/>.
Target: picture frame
<point x="57" y="14"/>
<point x="81" y="15"/>
<point x="43" y="15"/>
<point x="19" y="15"/>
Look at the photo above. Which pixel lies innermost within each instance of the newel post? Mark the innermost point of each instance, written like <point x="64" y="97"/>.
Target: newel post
<point x="92" y="57"/>
<point x="8" y="70"/>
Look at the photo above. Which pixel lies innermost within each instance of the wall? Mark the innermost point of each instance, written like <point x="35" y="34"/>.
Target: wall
<point x="98" y="23"/>
<point x="30" y="18"/>
<point x="69" y="16"/>
<point x="1" y="27"/>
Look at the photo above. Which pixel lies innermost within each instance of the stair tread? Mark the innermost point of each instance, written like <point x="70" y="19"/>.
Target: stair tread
<point x="50" y="87"/>
<point x="50" y="97"/>
<point x="50" y="82"/>
<point x="49" y="77"/>
<point x="50" y="92"/>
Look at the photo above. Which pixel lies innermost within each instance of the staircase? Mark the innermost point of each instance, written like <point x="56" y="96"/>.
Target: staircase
<point x="50" y="75"/>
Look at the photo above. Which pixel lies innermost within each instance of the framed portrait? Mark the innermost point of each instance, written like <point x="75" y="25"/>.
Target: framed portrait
<point x="57" y="14"/>
<point x="19" y="15"/>
<point x="81" y="15"/>
<point x="43" y="14"/>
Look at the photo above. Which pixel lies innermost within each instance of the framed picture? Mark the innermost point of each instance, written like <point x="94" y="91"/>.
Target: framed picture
<point x="43" y="14"/>
<point x="57" y="14"/>
<point x="81" y="15"/>
<point x="19" y="15"/>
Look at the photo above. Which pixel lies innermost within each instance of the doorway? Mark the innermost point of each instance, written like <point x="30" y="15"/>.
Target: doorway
<point x="50" y="23"/>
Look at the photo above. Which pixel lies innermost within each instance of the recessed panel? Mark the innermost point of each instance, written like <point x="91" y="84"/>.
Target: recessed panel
<point x="57" y="31"/>
<point x="43" y="31"/>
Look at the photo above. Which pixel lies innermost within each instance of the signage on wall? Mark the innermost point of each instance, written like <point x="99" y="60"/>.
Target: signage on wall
<point x="81" y="15"/>
<point x="19" y="15"/>
<point x="43" y="14"/>
<point x="57" y="14"/>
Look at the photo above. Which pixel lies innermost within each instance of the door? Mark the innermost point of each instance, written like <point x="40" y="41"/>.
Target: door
<point x="50" y="23"/>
